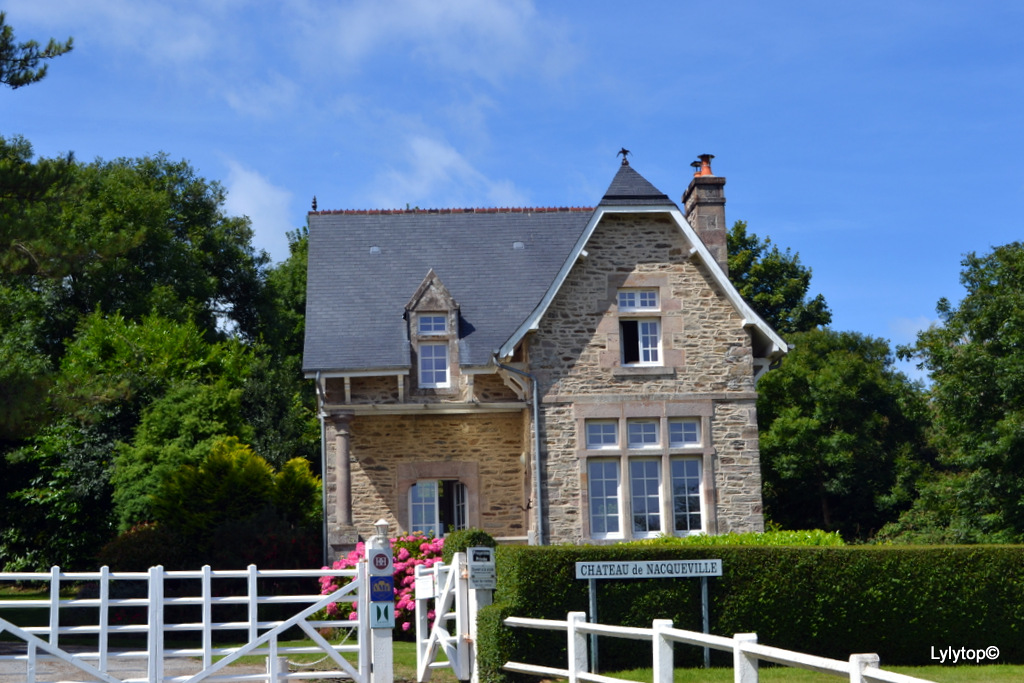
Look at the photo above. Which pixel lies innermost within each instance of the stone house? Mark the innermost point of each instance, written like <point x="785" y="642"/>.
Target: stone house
<point x="549" y="375"/>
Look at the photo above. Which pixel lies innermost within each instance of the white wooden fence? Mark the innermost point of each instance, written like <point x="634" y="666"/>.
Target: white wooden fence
<point x="744" y="647"/>
<point x="144" y="605"/>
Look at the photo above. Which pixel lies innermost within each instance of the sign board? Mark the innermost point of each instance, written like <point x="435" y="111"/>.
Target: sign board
<point x="480" y="562"/>
<point x="382" y="615"/>
<point x="382" y="588"/>
<point x="380" y="562"/>
<point x="658" y="569"/>
<point x="425" y="586"/>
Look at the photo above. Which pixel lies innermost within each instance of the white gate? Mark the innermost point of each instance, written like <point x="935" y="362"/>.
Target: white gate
<point x="447" y="587"/>
<point x="140" y="611"/>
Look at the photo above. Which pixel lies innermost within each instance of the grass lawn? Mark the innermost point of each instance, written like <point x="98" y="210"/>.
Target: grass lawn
<point x="993" y="673"/>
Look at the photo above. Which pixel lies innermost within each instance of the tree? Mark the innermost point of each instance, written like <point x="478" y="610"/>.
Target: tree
<point x="20" y="62"/>
<point x="774" y="283"/>
<point x="842" y="435"/>
<point x="975" y="358"/>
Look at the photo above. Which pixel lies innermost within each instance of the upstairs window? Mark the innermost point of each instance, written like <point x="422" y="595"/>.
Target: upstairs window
<point x="434" y="366"/>
<point x="432" y="325"/>
<point x="639" y="338"/>
<point x="638" y="300"/>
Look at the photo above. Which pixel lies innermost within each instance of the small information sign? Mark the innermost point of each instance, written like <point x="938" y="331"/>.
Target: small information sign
<point x="480" y="562"/>
<point x="380" y="562"/>
<point x="382" y="615"/>
<point x="425" y="587"/>
<point x="382" y="588"/>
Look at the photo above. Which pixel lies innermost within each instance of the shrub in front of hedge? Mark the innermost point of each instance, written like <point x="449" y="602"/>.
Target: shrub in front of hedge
<point x="897" y="601"/>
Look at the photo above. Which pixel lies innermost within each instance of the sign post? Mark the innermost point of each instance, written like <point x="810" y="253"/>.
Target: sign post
<point x="381" y="591"/>
<point x="657" y="569"/>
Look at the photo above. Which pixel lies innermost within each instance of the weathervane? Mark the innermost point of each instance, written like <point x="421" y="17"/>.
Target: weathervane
<point x="624" y="153"/>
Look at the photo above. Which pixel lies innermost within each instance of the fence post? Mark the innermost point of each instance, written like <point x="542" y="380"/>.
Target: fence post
<point x="104" y="635"/>
<point x="206" y="587"/>
<point x="363" y="618"/>
<point x="860" y="662"/>
<point x="577" y="645"/>
<point x="744" y="665"/>
<point x="156" y="623"/>
<point x="460" y="566"/>
<point x="254" y="602"/>
<point x="54" y="605"/>
<point x="663" y="647"/>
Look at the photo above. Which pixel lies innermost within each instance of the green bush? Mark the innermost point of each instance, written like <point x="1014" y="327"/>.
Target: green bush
<point x="833" y="601"/>
<point x="813" y="537"/>
<point x="230" y="511"/>
<point x="458" y="541"/>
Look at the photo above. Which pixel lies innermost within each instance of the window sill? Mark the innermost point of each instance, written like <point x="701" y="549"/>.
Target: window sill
<point x="643" y="371"/>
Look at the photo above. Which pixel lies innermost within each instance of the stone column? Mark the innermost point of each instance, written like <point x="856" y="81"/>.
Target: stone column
<point x="341" y="534"/>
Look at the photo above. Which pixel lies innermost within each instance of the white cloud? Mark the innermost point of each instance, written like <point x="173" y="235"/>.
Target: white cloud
<point x="491" y="39"/>
<point x="267" y="206"/>
<point x="263" y="99"/>
<point x="438" y="176"/>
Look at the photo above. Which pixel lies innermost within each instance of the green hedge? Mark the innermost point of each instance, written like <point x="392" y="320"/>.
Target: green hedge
<point x="897" y="601"/>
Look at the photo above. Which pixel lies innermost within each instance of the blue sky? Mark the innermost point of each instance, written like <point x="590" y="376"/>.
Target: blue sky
<point x="880" y="140"/>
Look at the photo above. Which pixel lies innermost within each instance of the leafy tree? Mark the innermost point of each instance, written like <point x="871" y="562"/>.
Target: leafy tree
<point x="774" y="283"/>
<point x="176" y="431"/>
<point x="31" y="194"/>
<point x="60" y="504"/>
<point x="20" y="63"/>
<point x="842" y="434"/>
<point x="975" y="359"/>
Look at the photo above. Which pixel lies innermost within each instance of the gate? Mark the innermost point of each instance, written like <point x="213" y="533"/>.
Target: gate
<point x="447" y="587"/>
<point x="86" y="633"/>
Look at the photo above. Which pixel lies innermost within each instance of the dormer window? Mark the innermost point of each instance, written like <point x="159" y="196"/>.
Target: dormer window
<point x="429" y="324"/>
<point x="434" y="366"/>
<point x="433" y="317"/>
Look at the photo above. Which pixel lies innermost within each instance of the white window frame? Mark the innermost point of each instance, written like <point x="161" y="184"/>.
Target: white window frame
<point x="645" y="490"/>
<point x="430" y="504"/>
<point x="687" y="480"/>
<point x="605" y="507"/>
<point x="688" y="426"/>
<point x="647" y="341"/>
<point x="426" y="324"/>
<point x="597" y="434"/>
<point x="639" y="300"/>
<point x="643" y="434"/>
<point x="644" y="501"/>
<point x="428" y="374"/>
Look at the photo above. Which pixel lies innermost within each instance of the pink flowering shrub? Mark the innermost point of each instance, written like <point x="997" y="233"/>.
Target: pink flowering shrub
<point x="409" y="551"/>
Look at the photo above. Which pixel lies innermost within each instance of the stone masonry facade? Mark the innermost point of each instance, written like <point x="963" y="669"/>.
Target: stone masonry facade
<point x="707" y="373"/>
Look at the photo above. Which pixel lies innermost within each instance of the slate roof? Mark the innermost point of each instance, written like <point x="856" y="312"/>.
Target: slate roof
<point x="629" y="188"/>
<point x="364" y="266"/>
<point x="355" y="300"/>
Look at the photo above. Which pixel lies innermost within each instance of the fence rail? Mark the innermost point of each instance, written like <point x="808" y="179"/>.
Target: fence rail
<point x="746" y="651"/>
<point x="183" y="605"/>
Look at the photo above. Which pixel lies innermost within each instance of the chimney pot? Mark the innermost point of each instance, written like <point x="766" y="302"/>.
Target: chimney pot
<point x="705" y="164"/>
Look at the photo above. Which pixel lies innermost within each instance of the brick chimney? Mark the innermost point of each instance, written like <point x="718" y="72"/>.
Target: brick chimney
<point x="704" y="204"/>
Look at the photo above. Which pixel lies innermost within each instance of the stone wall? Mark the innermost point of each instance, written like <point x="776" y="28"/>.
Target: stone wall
<point x="707" y="362"/>
<point x="389" y="453"/>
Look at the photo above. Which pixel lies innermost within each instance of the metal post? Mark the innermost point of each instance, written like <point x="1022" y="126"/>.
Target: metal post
<point x="592" y="592"/>
<point x="707" y="618"/>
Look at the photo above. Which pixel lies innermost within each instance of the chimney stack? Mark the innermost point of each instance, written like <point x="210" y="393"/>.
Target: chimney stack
<point x="704" y="204"/>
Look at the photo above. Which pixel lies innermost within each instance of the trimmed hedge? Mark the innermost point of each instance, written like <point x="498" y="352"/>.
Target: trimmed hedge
<point x="897" y="601"/>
